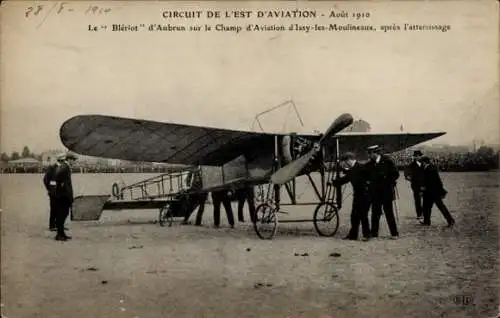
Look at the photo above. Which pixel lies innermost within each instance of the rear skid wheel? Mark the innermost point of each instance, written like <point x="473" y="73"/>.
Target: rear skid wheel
<point x="165" y="217"/>
<point x="326" y="219"/>
<point x="266" y="221"/>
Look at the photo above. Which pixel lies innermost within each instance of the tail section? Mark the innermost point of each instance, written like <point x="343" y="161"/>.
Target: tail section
<point x="88" y="207"/>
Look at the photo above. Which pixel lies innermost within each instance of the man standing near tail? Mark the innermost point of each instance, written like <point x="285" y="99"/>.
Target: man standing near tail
<point x="358" y="176"/>
<point x="49" y="184"/>
<point x="414" y="173"/>
<point x="434" y="192"/>
<point x="383" y="178"/>
<point x="63" y="192"/>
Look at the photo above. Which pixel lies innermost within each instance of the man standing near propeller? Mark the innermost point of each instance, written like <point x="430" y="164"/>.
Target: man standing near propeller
<point x="383" y="178"/>
<point x="357" y="174"/>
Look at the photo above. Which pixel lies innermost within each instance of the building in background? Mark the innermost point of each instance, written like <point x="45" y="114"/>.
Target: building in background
<point x="25" y="165"/>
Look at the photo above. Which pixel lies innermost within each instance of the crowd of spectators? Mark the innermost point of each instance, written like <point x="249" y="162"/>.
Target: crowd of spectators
<point x="483" y="159"/>
<point x="86" y="168"/>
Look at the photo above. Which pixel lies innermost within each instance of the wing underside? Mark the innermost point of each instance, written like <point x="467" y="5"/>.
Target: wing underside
<point x="144" y="140"/>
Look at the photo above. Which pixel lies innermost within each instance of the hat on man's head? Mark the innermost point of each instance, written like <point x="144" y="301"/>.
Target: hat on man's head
<point x="70" y="156"/>
<point x="425" y="159"/>
<point x="347" y="156"/>
<point x="374" y="148"/>
<point x="417" y="153"/>
<point x="61" y="156"/>
<point x="66" y="156"/>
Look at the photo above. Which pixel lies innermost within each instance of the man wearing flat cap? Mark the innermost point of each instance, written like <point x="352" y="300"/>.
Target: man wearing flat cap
<point x="433" y="192"/>
<point x="383" y="177"/>
<point x="357" y="174"/>
<point x="63" y="192"/>
<point x="414" y="173"/>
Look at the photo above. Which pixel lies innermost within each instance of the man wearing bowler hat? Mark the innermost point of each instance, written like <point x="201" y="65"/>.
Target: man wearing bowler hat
<point x="414" y="173"/>
<point x="383" y="177"/>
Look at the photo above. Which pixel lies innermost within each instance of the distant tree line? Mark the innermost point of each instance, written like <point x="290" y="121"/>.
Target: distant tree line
<point x="26" y="153"/>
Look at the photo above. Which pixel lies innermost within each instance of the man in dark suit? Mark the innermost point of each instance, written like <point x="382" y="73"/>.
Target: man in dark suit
<point x="49" y="184"/>
<point x="246" y="194"/>
<point x="414" y="174"/>
<point x="358" y="176"/>
<point x="218" y="197"/>
<point x="434" y="192"/>
<point x="194" y="199"/>
<point x="186" y="203"/>
<point x="383" y="178"/>
<point x="63" y="192"/>
<point x="201" y="199"/>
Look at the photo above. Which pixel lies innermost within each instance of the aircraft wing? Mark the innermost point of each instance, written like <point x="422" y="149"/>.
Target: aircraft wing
<point x="151" y="141"/>
<point x="389" y="142"/>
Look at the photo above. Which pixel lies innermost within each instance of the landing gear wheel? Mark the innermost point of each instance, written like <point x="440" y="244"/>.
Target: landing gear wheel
<point x="165" y="217"/>
<point x="266" y="221"/>
<point x="326" y="219"/>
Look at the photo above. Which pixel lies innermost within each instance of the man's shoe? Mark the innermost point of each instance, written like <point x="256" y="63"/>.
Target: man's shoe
<point x="365" y="239"/>
<point x="349" y="238"/>
<point x="62" y="238"/>
<point x="451" y="224"/>
<point x="425" y="224"/>
<point x="52" y="229"/>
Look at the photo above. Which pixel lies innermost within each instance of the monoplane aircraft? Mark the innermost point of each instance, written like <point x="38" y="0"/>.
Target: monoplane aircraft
<point x="222" y="159"/>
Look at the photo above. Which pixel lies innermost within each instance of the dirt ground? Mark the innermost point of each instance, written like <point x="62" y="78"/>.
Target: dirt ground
<point x="125" y="266"/>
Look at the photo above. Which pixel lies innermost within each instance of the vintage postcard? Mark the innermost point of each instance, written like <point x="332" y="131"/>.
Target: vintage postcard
<point x="353" y="147"/>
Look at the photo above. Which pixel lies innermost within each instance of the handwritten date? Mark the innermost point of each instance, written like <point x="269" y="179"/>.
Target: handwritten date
<point x="63" y="7"/>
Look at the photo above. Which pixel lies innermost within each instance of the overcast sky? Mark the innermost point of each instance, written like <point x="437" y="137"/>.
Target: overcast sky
<point x="424" y="80"/>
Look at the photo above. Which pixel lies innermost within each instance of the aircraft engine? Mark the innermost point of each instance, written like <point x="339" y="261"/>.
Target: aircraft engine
<point x="293" y="146"/>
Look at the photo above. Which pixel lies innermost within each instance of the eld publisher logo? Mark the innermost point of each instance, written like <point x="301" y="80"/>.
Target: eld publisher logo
<point x="463" y="300"/>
